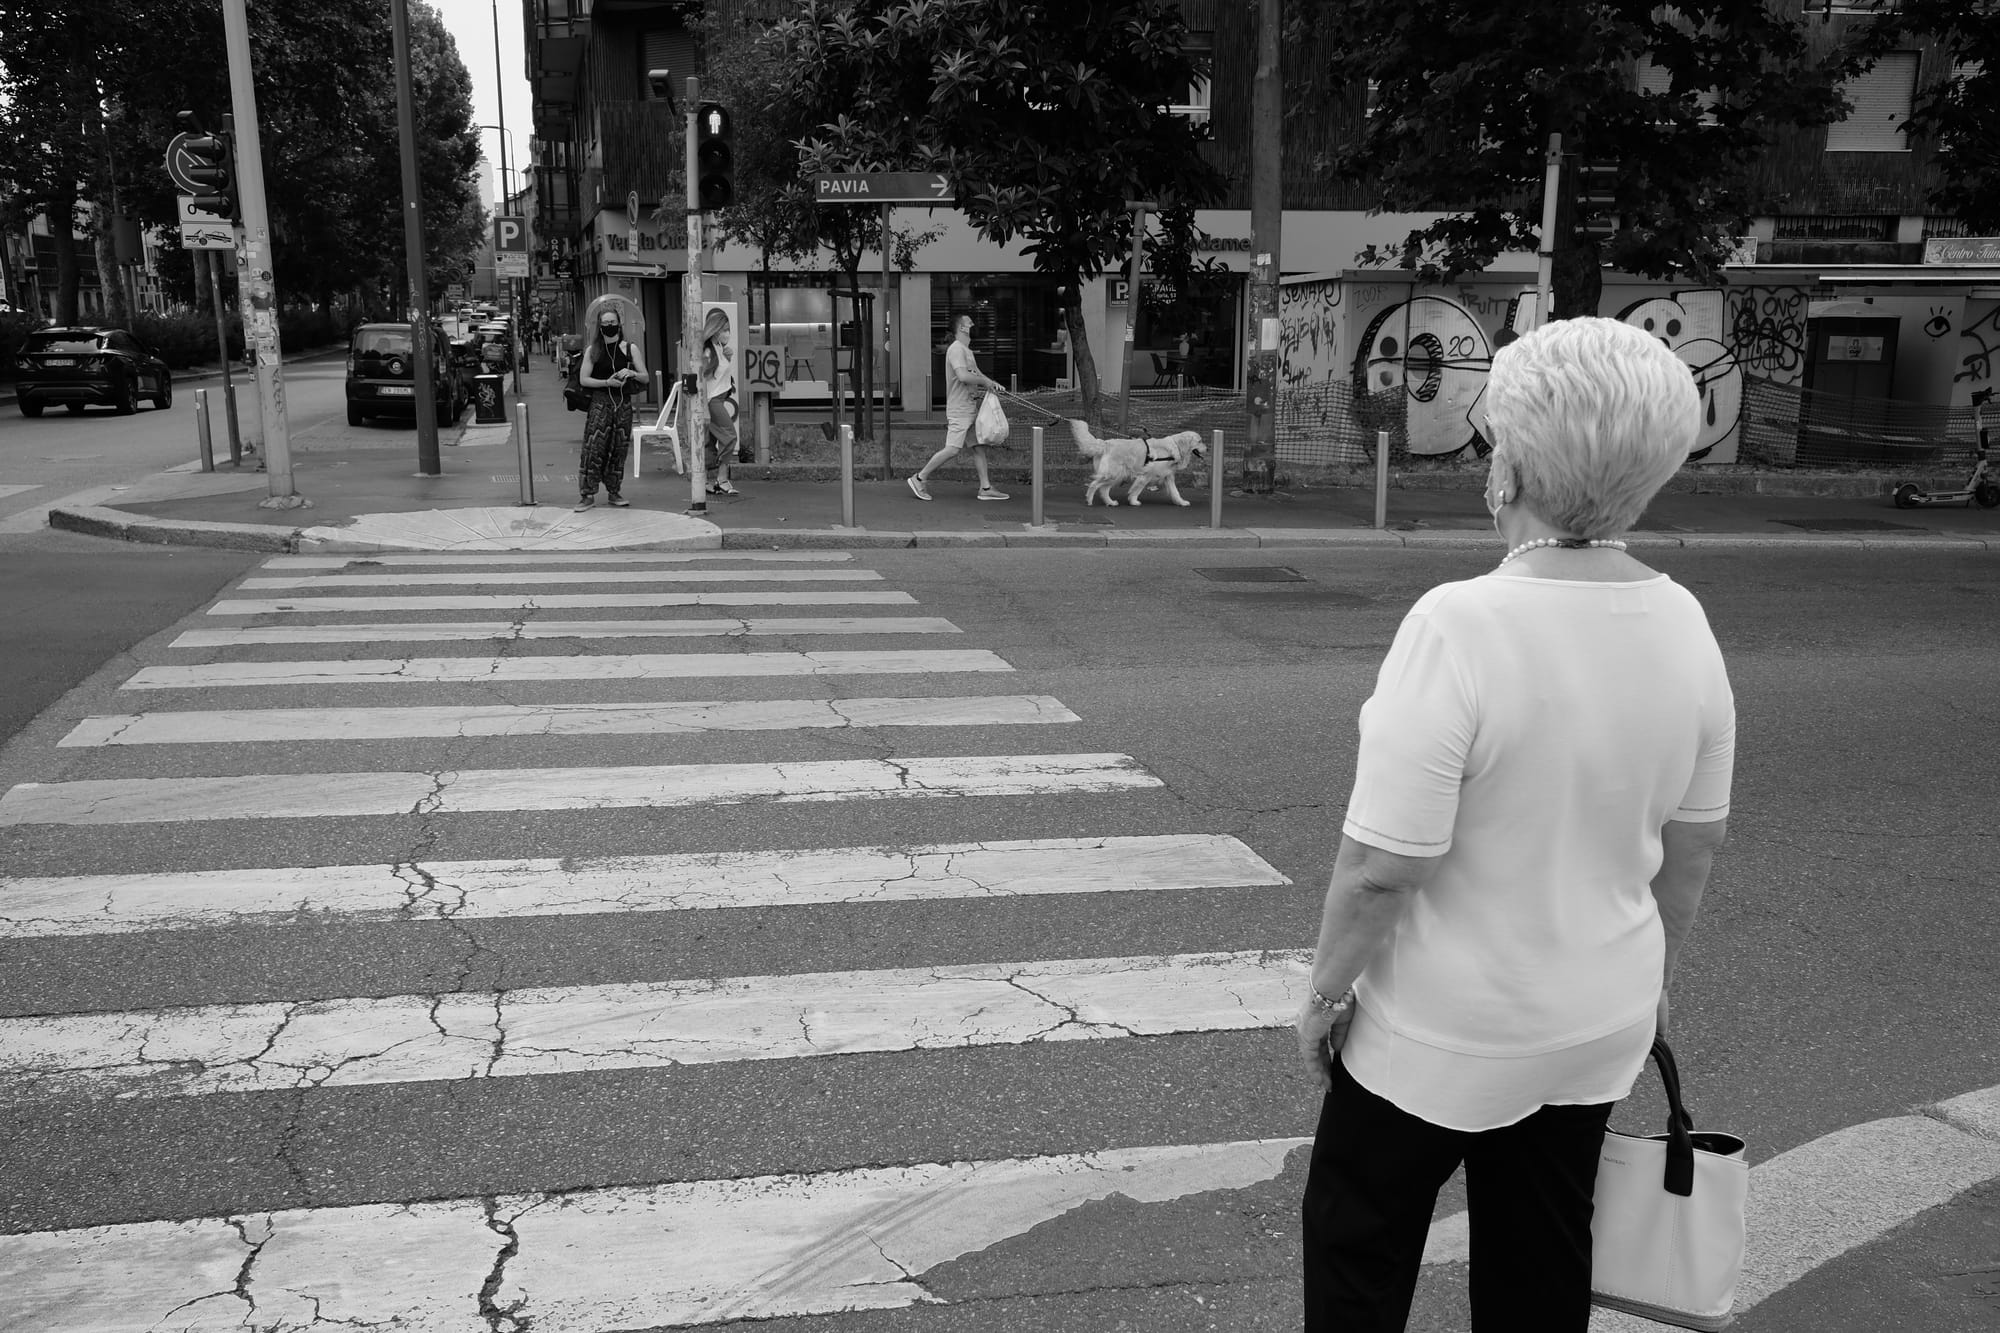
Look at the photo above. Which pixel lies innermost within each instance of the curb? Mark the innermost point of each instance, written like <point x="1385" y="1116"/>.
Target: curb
<point x="119" y="525"/>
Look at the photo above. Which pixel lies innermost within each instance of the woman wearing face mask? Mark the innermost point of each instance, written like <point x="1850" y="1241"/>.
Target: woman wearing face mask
<point x="611" y="365"/>
<point x="1542" y="779"/>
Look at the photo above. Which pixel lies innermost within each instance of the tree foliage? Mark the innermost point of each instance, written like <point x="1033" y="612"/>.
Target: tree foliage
<point x="1045" y="118"/>
<point x="1467" y="92"/>
<point x="89" y="92"/>
<point x="1959" y="113"/>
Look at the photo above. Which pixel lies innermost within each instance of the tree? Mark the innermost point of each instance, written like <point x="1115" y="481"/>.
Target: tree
<point x="1465" y="94"/>
<point x="1956" y="113"/>
<point x="1045" y="119"/>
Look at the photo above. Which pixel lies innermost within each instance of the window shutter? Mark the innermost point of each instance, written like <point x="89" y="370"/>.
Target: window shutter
<point x="669" y="49"/>
<point x="1881" y="99"/>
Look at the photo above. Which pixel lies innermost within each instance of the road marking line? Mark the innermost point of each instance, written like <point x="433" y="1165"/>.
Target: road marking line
<point x="33" y="908"/>
<point x="233" y="726"/>
<point x="321" y="795"/>
<point x="266" y="606"/>
<point x="688" y="1252"/>
<point x="6" y="491"/>
<point x="555" y="558"/>
<point x="198" y="1050"/>
<point x="454" y="630"/>
<point x="589" y="666"/>
<point x="1815" y="1202"/>
<point x="524" y="578"/>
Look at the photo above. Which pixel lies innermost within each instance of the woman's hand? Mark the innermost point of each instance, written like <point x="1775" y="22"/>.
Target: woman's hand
<point x="1320" y="1033"/>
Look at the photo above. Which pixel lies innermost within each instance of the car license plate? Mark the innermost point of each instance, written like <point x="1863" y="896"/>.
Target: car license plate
<point x="58" y="360"/>
<point x="398" y="391"/>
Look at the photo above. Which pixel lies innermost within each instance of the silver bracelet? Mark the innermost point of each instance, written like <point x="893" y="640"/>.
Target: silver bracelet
<point x="1331" y="1005"/>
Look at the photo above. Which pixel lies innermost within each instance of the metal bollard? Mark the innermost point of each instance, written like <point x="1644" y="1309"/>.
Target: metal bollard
<point x="846" y="475"/>
<point x="201" y="430"/>
<point x="1215" y="481"/>
<point x="524" y="454"/>
<point x="659" y="387"/>
<point x="1035" y="480"/>
<point x="1381" y="478"/>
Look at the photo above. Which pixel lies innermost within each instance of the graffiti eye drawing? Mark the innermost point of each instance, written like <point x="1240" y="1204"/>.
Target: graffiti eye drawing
<point x="1939" y="323"/>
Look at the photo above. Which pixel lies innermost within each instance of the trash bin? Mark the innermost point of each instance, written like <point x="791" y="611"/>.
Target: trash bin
<point x="489" y="398"/>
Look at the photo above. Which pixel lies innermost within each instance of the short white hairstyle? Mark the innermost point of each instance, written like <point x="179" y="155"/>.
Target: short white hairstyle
<point x="1593" y="416"/>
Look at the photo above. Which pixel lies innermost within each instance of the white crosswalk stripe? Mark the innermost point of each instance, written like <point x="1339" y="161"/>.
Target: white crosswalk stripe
<point x="529" y="578"/>
<point x="32" y="907"/>
<point x="231" y="726"/>
<point x="565" y="1030"/>
<point x="444" y="631"/>
<point x="607" y="666"/>
<point x="843" y="1235"/>
<point x="266" y="606"/>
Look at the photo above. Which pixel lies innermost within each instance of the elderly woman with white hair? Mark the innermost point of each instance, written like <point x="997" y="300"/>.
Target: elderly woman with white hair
<point x="1542" y="780"/>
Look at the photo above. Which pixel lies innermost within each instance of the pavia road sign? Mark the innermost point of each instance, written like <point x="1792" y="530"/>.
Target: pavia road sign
<point x="883" y="187"/>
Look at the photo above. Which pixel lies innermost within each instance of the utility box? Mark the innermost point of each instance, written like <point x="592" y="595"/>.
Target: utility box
<point x="489" y="398"/>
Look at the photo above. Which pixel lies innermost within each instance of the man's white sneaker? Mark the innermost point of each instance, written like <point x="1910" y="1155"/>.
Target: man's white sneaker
<point x="990" y="494"/>
<point x="918" y="489"/>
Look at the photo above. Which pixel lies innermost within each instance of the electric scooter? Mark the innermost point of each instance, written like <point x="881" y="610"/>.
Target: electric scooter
<point x="1979" y="486"/>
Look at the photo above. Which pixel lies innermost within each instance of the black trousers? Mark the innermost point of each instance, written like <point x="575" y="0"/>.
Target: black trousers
<point x="1376" y="1172"/>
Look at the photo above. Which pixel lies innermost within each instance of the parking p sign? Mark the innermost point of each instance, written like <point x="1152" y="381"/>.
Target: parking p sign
<point x="510" y="247"/>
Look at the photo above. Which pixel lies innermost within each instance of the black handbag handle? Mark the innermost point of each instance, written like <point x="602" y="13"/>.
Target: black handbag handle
<point x="1680" y="1125"/>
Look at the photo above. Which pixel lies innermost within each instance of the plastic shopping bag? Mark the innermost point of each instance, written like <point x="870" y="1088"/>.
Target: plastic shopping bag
<point x="990" y="426"/>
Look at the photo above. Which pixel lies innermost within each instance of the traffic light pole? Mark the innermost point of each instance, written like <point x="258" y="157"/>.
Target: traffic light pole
<point x="1545" y="252"/>
<point x="694" y="411"/>
<point x="428" y="463"/>
<point x="1267" y="131"/>
<point x="254" y="276"/>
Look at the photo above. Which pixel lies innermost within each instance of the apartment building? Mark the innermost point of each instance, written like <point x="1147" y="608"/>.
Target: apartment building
<point x="1854" y="326"/>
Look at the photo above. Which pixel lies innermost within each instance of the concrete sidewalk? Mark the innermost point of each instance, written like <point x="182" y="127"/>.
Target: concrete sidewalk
<point x="370" y="497"/>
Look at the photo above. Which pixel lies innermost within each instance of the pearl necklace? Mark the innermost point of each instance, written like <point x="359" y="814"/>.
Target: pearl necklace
<point x="1566" y="543"/>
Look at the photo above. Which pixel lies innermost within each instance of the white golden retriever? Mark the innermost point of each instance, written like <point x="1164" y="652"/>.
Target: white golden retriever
<point x="1143" y="462"/>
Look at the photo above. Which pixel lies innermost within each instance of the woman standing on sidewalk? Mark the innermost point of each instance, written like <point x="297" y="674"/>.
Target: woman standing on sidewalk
<point x="1543" y="777"/>
<point x="611" y="366"/>
<point x="718" y="386"/>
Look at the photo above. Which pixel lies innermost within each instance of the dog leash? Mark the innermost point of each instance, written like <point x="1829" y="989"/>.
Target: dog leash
<point x="1027" y="403"/>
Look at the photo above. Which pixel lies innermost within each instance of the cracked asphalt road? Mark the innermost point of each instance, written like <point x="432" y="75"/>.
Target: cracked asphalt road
<point x="1841" y="972"/>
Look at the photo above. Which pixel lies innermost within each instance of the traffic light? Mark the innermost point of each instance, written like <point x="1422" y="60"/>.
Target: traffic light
<point x="714" y="157"/>
<point x="212" y="166"/>
<point x="1594" y="188"/>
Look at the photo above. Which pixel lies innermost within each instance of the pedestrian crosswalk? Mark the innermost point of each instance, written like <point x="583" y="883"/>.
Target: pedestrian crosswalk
<point x="265" y="723"/>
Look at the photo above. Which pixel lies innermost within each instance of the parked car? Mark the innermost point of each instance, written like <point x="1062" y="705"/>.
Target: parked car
<point x="77" y="366"/>
<point x="381" y="375"/>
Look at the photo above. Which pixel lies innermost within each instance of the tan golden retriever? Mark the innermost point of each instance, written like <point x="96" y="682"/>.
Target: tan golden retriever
<point x="1143" y="462"/>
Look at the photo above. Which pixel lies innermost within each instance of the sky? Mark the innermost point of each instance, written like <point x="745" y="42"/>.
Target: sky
<point x="471" y="25"/>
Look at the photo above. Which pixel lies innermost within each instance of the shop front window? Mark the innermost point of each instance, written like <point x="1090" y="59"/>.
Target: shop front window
<point x="1016" y="328"/>
<point x="1189" y="336"/>
<point x="795" y="313"/>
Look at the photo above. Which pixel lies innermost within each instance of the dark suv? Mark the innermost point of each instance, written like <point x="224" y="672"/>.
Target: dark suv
<point x="381" y="375"/>
<point x="80" y="366"/>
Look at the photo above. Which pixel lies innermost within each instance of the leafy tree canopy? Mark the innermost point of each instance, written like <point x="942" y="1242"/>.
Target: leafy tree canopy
<point x="1466" y="93"/>
<point x="1046" y="118"/>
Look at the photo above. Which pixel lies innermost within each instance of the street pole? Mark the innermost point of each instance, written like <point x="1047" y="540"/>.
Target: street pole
<point x="1267" y="211"/>
<point x="214" y="267"/>
<point x="1139" y="210"/>
<point x="692" y="393"/>
<point x="514" y="359"/>
<point x="888" y="351"/>
<point x="255" y="281"/>
<point x="1545" y="252"/>
<point x="428" y="463"/>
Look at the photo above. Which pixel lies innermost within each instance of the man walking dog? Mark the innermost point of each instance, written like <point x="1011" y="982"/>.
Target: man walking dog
<point x="962" y="382"/>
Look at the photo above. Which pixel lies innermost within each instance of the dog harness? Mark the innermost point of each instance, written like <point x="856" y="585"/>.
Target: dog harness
<point x="1167" y="457"/>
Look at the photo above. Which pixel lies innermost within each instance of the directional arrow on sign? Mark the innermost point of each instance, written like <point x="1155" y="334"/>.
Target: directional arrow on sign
<point x="883" y="187"/>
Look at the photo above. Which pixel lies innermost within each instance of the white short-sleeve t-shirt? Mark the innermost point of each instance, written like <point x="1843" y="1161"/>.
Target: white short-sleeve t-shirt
<point x="961" y="399"/>
<point x="1535" y="734"/>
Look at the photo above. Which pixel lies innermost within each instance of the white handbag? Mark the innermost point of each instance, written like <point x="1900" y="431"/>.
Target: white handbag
<point x="1667" y="1235"/>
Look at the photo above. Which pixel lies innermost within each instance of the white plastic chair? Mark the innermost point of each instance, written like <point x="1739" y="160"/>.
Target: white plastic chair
<point x="666" y="428"/>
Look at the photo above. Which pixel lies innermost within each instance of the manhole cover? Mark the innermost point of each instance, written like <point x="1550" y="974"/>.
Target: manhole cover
<point x="1252" y="574"/>
<point x="1848" y="525"/>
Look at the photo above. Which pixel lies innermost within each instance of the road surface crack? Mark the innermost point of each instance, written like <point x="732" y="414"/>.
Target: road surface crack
<point x="502" y="1318"/>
